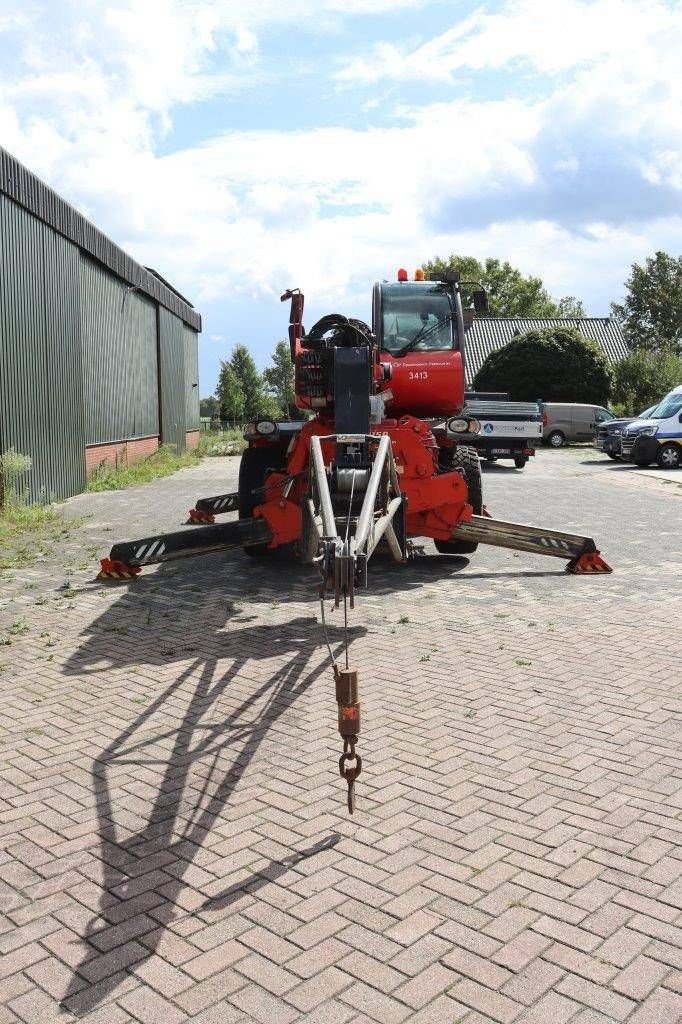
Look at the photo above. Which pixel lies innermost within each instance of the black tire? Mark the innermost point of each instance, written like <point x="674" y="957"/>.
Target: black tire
<point x="465" y="461"/>
<point x="669" y="456"/>
<point x="491" y="458"/>
<point x="612" y="455"/>
<point x="253" y="468"/>
<point x="520" y="463"/>
<point x="556" y="439"/>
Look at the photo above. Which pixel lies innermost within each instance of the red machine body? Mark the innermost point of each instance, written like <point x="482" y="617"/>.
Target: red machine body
<point x="417" y="370"/>
<point x="436" y="501"/>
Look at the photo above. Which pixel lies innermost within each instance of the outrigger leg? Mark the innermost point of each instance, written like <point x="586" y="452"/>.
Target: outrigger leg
<point x="580" y="553"/>
<point x="206" y="509"/>
<point x="125" y="560"/>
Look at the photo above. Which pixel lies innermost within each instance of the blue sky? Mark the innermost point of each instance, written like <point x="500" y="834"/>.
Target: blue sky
<point x="245" y="147"/>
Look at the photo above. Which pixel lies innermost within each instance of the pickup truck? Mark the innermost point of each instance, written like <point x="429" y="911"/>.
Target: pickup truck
<point x="509" y="430"/>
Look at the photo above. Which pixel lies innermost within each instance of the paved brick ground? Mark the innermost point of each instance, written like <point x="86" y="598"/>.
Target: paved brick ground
<point x="173" y="838"/>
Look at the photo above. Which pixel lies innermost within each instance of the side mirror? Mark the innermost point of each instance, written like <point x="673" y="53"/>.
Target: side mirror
<point x="480" y="301"/>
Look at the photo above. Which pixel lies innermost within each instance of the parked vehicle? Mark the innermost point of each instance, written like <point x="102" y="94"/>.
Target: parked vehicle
<point x="609" y="433"/>
<point x="570" y="421"/>
<point x="658" y="438"/>
<point x="508" y="430"/>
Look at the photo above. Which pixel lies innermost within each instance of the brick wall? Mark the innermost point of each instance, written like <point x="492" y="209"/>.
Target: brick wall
<point x="131" y="451"/>
<point x="192" y="439"/>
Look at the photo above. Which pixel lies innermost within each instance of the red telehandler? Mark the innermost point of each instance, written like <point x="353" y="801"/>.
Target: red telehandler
<point x="381" y="460"/>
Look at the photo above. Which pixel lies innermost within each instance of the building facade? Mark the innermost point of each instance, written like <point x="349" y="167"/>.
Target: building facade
<point x="98" y="355"/>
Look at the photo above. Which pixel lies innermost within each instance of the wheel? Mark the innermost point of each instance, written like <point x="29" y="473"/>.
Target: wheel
<point x="520" y="463"/>
<point x="556" y="439"/>
<point x="465" y="461"/>
<point x="612" y="455"/>
<point x="491" y="458"/>
<point x="669" y="456"/>
<point x="255" y="465"/>
<point x="642" y="463"/>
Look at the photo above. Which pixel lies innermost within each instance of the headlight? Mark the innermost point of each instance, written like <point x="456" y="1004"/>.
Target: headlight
<point x="649" y="431"/>
<point x="463" y="425"/>
<point x="266" y="427"/>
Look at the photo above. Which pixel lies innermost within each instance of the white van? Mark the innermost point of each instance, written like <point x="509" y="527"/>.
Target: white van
<point x="657" y="438"/>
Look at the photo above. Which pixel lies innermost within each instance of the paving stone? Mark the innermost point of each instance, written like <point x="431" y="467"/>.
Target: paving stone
<point x="159" y="857"/>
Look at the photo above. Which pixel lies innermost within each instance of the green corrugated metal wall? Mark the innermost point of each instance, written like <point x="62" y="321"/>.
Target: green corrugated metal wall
<point x="172" y="378"/>
<point x="191" y="378"/>
<point x="120" y="377"/>
<point x="41" y="393"/>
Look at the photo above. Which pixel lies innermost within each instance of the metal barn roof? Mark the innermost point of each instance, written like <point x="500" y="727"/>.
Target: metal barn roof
<point x="26" y="189"/>
<point x="487" y="334"/>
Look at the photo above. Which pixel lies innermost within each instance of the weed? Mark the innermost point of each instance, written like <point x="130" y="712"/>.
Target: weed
<point x="403" y="619"/>
<point x="141" y="700"/>
<point x="425" y="657"/>
<point x="222" y="442"/>
<point x="19" y="627"/>
<point x="162" y="463"/>
<point x="523" y="661"/>
<point x="470" y="713"/>
<point x="41" y="600"/>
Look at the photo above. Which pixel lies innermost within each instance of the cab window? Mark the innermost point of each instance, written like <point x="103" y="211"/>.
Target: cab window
<point x="603" y="415"/>
<point x="417" y="323"/>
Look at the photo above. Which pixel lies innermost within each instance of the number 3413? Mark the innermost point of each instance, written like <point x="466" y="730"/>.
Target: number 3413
<point x="418" y="375"/>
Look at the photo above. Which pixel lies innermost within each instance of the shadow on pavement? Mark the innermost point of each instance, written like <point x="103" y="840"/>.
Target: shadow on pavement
<point x="148" y="843"/>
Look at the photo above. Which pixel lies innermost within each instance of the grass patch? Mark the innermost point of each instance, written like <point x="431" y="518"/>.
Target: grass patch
<point x="25" y="530"/>
<point x="221" y="442"/>
<point x="162" y="463"/>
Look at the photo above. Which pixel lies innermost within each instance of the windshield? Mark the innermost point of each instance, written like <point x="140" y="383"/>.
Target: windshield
<point x="417" y="321"/>
<point x="670" y="406"/>
<point x="603" y="416"/>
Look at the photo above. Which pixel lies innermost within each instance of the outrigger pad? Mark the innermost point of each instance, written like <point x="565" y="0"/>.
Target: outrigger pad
<point x="197" y="515"/>
<point x="588" y="563"/>
<point x="114" y="569"/>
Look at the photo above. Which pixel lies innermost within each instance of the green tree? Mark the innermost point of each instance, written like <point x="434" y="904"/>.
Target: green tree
<point x="643" y="378"/>
<point x="249" y="380"/>
<point x="509" y="292"/>
<point x="209" y="406"/>
<point x="279" y="380"/>
<point x="555" y="364"/>
<point x="651" y="314"/>
<point x="229" y="394"/>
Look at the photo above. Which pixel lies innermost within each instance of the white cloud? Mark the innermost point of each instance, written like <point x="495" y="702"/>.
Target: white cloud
<point x="545" y="37"/>
<point x="573" y="182"/>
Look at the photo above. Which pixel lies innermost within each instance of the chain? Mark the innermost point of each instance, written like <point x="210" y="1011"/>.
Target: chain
<point x="350" y="772"/>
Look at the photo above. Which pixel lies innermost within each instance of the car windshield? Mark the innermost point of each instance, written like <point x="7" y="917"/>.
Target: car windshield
<point x="670" y="406"/>
<point x="603" y="416"/>
<point x="417" y="322"/>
